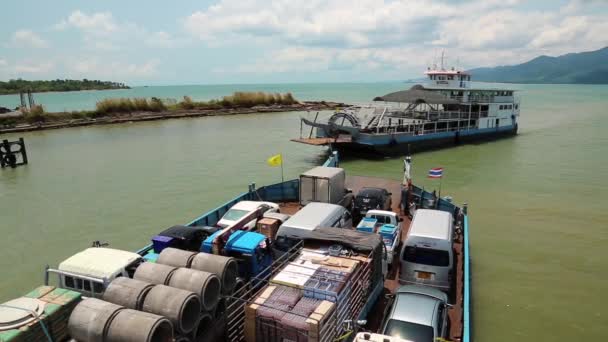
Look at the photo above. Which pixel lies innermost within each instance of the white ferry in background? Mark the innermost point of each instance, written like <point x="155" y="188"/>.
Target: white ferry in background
<point x="446" y="110"/>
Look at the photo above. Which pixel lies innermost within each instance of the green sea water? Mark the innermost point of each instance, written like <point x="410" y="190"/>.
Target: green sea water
<point x="538" y="202"/>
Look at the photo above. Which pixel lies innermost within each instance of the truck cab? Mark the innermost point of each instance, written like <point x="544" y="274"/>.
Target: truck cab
<point x="388" y="225"/>
<point x="92" y="270"/>
<point x="250" y="249"/>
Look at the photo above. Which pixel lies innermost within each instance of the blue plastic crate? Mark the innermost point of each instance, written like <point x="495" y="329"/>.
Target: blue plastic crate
<point x="388" y="231"/>
<point x="367" y="225"/>
<point x="160" y="242"/>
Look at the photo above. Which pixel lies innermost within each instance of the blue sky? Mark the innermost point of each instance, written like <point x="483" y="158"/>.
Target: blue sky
<point x="268" y="41"/>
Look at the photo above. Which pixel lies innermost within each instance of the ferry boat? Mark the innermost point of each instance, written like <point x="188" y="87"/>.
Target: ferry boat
<point x="446" y="110"/>
<point x="100" y="297"/>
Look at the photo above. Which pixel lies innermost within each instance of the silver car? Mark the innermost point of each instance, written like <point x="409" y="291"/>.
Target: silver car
<point x="418" y="314"/>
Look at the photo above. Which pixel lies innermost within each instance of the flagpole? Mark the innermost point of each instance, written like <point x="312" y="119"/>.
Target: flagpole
<point x="440" y="179"/>
<point x="282" y="178"/>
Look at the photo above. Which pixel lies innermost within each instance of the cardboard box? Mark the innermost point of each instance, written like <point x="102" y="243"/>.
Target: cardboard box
<point x="268" y="227"/>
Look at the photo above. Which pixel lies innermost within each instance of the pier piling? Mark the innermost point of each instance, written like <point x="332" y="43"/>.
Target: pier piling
<point x="13" y="153"/>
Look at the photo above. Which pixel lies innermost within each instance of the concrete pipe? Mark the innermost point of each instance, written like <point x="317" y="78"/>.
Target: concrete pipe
<point x="214" y="333"/>
<point x="239" y="285"/>
<point x="181" y="307"/>
<point x="91" y="318"/>
<point x="176" y="257"/>
<point x="204" y="327"/>
<point x="127" y="292"/>
<point x="136" y="326"/>
<point x="154" y="273"/>
<point x="220" y="308"/>
<point x="206" y="285"/>
<point x="224" y="267"/>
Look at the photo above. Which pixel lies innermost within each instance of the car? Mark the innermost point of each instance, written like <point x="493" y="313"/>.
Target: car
<point x="243" y="208"/>
<point x="418" y="314"/>
<point x="372" y="198"/>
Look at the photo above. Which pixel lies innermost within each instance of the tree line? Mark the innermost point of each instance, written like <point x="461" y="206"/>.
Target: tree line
<point x="19" y="85"/>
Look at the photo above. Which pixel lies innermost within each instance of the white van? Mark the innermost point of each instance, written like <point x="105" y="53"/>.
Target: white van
<point x="427" y="256"/>
<point x="312" y="216"/>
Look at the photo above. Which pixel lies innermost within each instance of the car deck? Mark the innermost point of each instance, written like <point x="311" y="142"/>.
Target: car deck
<point x="392" y="281"/>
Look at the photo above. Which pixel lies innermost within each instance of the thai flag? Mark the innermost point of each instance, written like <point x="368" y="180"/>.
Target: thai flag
<point x="436" y="172"/>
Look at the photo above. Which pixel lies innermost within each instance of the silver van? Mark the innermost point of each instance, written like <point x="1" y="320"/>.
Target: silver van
<point x="427" y="256"/>
<point x="310" y="217"/>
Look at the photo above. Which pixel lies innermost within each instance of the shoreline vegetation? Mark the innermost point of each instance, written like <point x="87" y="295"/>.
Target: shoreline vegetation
<point x="120" y="110"/>
<point x="17" y="86"/>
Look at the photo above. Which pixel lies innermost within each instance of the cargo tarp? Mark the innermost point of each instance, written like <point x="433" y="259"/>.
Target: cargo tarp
<point x="358" y="241"/>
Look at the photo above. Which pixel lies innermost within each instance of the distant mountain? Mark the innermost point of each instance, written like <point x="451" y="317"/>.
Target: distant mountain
<point x="585" y="67"/>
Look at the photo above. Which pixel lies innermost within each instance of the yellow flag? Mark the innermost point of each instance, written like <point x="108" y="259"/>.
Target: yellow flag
<point x="275" y="160"/>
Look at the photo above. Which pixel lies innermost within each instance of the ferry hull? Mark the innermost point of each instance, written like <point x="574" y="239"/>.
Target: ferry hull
<point x="402" y="145"/>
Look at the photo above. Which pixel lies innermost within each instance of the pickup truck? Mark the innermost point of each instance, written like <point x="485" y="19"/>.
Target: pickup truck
<point x="388" y="225"/>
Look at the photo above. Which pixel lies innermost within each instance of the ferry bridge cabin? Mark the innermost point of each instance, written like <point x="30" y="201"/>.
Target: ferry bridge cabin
<point x="492" y="107"/>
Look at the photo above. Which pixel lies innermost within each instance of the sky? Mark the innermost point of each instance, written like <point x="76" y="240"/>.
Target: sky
<point x="284" y="41"/>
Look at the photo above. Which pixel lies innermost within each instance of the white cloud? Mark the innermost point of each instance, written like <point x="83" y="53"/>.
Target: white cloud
<point x="99" y="23"/>
<point x="102" y="31"/>
<point x="3" y="63"/>
<point x="398" y="35"/>
<point x="27" y="38"/>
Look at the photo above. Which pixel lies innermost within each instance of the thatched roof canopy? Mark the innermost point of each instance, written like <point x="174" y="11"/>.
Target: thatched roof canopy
<point x="416" y="94"/>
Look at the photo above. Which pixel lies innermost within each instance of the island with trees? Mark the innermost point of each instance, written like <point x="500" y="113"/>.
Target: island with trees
<point x="19" y="85"/>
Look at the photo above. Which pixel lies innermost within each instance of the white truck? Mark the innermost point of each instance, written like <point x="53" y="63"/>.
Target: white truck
<point x="327" y="185"/>
<point x="388" y="225"/>
<point x="92" y="270"/>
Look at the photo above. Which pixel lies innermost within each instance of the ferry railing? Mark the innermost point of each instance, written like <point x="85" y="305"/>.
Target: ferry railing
<point x="466" y="305"/>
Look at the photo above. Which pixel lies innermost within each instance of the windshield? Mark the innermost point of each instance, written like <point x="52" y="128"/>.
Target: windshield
<point x="234" y="214"/>
<point x="409" y="331"/>
<point x="426" y="256"/>
<point x="382" y="219"/>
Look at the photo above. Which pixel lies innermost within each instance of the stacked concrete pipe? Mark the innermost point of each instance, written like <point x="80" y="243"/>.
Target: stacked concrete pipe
<point x="137" y="326"/>
<point x="154" y="273"/>
<point x="206" y="285"/>
<point x="176" y="257"/>
<point x="225" y="267"/>
<point x="204" y="327"/>
<point x="127" y="292"/>
<point x="181" y="307"/>
<point x="91" y="318"/>
<point x="95" y="320"/>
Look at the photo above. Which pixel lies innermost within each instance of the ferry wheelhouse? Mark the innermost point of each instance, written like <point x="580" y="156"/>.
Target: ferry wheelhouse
<point x="446" y="110"/>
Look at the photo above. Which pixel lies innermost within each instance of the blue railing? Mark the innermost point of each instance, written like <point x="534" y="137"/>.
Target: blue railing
<point x="466" y="308"/>
<point x="332" y="161"/>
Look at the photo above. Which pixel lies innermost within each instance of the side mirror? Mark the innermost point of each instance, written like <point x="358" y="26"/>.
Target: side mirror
<point x="390" y="194"/>
<point x="389" y="296"/>
<point x="349" y="191"/>
<point x="400" y="219"/>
